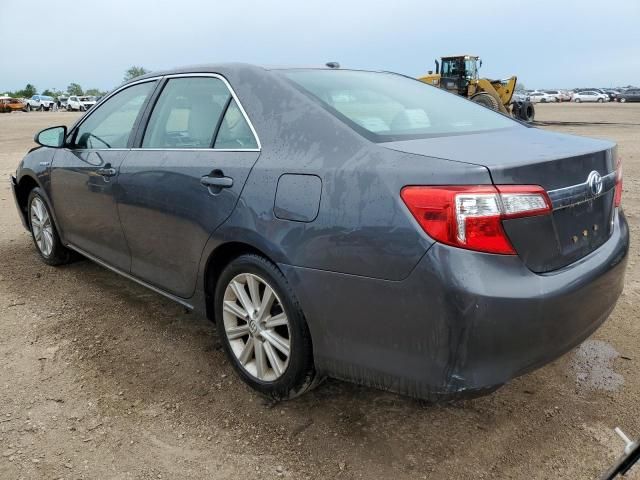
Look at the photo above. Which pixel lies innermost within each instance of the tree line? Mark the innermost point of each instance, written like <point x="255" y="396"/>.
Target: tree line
<point x="73" y="88"/>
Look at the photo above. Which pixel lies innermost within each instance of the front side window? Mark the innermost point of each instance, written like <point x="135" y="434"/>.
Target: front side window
<point x="187" y="114"/>
<point x="388" y="107"/>
<point x="110" y="125"/>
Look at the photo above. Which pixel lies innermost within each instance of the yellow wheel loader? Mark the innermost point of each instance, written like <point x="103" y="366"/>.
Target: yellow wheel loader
<point x="459" y="74"/>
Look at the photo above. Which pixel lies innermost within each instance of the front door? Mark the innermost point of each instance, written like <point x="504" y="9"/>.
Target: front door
<point x="84" y="176"/>
<point x="184" y="180"/>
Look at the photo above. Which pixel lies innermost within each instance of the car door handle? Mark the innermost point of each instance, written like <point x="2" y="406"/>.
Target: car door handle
<point x="220" y="182"/>
<point x="107" y="172"/>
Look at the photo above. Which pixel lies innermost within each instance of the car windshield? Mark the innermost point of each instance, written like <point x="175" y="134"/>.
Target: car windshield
<point x="388" y="107"/>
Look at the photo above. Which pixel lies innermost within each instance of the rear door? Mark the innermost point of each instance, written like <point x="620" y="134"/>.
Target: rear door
<point x="84" y="176"/>
<point x="184" y="179"/>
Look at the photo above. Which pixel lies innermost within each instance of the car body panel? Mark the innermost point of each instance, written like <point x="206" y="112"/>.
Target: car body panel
<point x="85" y="203"/>
<point x="167" y="215"/>
<point x="461" y="330"/>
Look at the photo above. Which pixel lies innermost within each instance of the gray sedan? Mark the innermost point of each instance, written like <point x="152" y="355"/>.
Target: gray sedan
<point x="352" y="224"/>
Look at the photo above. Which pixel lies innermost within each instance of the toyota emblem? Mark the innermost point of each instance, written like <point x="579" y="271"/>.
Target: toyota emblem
<point x="594" y="181"/>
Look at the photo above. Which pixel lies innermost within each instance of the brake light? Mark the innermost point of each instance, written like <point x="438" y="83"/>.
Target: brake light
<point x="471" y="216"/>
<point x="617" y="198"/>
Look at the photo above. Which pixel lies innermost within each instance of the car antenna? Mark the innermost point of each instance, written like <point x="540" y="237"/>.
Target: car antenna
<point x="332" y="64"/>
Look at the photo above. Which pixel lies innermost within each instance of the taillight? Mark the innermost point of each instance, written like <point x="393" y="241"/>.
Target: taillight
<point x="471" y="216"/>
<point x="617" y="199"/>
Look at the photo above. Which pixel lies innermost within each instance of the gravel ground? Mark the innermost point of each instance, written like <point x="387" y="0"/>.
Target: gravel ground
<point x="102" y="379"/>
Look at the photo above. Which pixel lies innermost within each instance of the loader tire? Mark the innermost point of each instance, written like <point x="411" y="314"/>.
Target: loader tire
<point x="486" y="100"/>
<point x="523" y="111"/>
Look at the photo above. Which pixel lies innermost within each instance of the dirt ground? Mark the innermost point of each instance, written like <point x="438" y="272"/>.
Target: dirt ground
<point x="103" y="379"/>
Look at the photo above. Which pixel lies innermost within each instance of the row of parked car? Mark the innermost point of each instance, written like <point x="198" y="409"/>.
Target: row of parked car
<point x="583" y="95"/>
<point x="45" y="103"/>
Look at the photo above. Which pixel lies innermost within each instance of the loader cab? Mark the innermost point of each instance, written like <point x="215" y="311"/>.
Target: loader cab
<point x="457" y="72"/>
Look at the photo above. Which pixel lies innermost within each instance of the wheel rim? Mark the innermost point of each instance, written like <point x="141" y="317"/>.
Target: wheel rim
<point x="257" y="327"/>
<point x="41" y="226"/>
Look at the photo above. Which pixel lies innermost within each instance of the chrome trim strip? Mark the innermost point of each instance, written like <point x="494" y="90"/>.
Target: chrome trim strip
<point x="131" y="277"/>
<point x="91" y="111"/>
<point x="179" y="75"/>
<point x="580" y="193"/>
<point x="165" y="149"/>
<point x="235" y="97"/>
<point x="196" y="149"/>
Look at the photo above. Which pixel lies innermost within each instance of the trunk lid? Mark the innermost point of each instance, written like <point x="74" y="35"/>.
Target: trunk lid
<point x="561" y="164"/>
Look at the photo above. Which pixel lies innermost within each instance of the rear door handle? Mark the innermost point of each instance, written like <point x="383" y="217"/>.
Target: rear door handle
<point x="220" y="182"/>
<point x="107" y="172"/>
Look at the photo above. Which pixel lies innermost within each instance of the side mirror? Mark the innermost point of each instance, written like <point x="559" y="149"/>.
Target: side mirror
<point x="51" y="137"/>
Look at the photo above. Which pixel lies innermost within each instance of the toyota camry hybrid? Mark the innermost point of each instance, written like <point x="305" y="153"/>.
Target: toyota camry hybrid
<point x="339" y="223"/>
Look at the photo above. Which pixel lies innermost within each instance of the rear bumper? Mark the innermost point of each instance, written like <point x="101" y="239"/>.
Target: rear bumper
<point x="462" y="323"/>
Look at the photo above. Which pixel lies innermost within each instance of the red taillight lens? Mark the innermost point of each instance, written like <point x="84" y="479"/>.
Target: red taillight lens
<point x="617" y="199"/>
<point x="471" y="216"/>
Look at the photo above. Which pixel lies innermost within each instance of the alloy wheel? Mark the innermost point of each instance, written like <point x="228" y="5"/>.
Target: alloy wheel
<point x="257" y="327"/>
<point x="41" y="226"/>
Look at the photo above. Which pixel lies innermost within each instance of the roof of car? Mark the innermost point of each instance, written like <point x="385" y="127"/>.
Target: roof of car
<point x="235" y="67"/>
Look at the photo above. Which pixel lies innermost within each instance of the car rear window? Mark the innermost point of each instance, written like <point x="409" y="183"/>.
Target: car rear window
<point x="389" y="107"/>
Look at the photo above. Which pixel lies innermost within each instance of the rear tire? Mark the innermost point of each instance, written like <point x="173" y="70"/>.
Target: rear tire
<point x="623" y="100"/>
<point x="44" y="232"/>
<point x="577" y="100"/>
<point x="28" y="109"/>
<point x="263" y="330"/>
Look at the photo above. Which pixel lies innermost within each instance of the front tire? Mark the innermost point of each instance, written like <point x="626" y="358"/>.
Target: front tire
<point x="485" y="100"/>
<point x="43" y="231"/>
<point x="600" y="100"/>
<point x="623" y="100"/>
<point x="577" y="100"/>
<point x="263" y="329"/>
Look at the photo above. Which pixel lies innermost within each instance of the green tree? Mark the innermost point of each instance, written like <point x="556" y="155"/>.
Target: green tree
<point x="28" y="91"/>
<point x="48" y="93"/>
<point x="96" y="92"/>
<point x="134" y="72"/>
<point x="74" y="89"/>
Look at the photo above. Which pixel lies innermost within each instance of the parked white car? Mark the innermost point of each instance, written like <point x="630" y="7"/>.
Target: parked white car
<point x="561" y="95"/>
<point x="541" y="97"/>
<point x="40" y="102"/>
<point x="88" y="102"/>
<point x="75" y="103"/>
<point x="590" y="96"/>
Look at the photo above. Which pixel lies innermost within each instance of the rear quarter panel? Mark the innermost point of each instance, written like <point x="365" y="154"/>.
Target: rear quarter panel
<point x="362" y="227"/>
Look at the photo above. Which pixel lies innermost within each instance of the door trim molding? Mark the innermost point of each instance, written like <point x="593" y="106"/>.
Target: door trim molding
<point x="128" y="276"/>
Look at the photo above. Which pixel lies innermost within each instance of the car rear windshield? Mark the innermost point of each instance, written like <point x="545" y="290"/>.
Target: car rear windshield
<point x="389" y="107"/>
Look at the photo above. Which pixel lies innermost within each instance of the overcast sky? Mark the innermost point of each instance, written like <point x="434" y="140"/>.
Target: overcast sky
<point x="546" y="43"/>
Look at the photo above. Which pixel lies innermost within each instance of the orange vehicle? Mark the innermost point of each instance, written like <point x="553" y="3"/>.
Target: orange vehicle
<point x="12" y="104"/>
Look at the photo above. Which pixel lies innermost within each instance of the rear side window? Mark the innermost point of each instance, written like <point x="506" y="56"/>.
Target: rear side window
<point x="234" y="130"/>
<point x="110" y="125"/>
<point x="187" y="113"/>
<point x="388" y="107"/>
